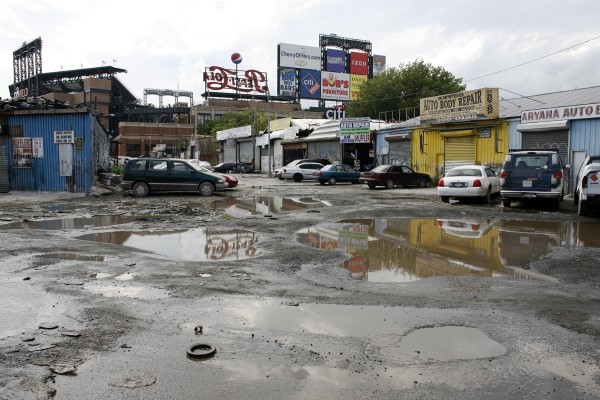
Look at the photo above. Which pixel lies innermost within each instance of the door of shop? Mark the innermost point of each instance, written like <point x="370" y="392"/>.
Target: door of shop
<point x="399" y="152"/>
<point x="459" y="151"/>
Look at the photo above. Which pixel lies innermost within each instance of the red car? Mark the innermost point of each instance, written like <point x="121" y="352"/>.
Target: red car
<point x="231" y="180"/>
<point x="394" y="175"/>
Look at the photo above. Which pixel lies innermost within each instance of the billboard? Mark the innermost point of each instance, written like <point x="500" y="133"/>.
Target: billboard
<point x="355" y="130"/>
<point x="336" y="60"/>
<point x="335" y="86"/>
<point x="359" y="63"/>
<point x="229" y="80"/>
<point x="287" y="81"/>
<point x="356" y="82"/>
<point x="310" y="84"/>
<point x="378" y="65"/>
<point x="467" y="105"/>
<point x="295" y="56"/>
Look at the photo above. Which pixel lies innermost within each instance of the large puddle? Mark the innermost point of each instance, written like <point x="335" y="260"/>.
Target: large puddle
<point x="73" y="223"/>
<point x="404" y="250"/>
<point x="198" y="244"/>
<point x="262" y="205"/>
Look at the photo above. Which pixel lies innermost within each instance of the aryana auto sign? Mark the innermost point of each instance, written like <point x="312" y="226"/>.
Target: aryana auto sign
<point x="561" y="113"/>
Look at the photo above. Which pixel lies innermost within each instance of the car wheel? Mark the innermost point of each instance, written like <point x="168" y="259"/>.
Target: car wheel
<point x="332" y="180"/>
<point x="297" y="177"/>
<point x="206" y="189"/>
<point x="389" y="184"/>
<point x="445" y="199"/>
<point x="487" y="199"/>
<point x="371" y="185"/>
<point x="582" y="207"/>
<point x="140" y="189"/>
<point x="322" y="183"/>
<point x="423" y="183"/>
<point x="506" y="203"/>
<point x="576" y="199"/>
<point x="281" y="178"/>
<point x="556" y="203"/>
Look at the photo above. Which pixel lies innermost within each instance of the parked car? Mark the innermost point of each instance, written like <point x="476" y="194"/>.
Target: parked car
<point x="587" y="191"/>
<point x="532" y="174"/>
<point x="200" y="163"/>
<point x="226" y="168"/>
<point x="301" y="171"/>
<point x="394" y="175"/>
<point x="470" y="181"/>
<point x="277" y="171"/>
<point x="145" y="175"/>
<point x="230" y="179"/>
<point x="334" y="173"/>
<point x="236" y="167"/>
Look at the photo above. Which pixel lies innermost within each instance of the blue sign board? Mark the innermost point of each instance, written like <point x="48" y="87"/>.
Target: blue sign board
<point x="336" y="60"/>
<point x="310" y="86"/>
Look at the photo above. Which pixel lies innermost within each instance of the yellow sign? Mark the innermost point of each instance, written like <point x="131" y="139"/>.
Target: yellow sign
<point x="280" y="124"/>
<point x="462" y="106"/>
<point x="356" y="82"/>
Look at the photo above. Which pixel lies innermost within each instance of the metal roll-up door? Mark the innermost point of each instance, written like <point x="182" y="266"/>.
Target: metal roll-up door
<point x="548" y="140"/>
<point x="459" y="151"/>
<point x="400" y="152"/>
<point x="4" y="171"/>
<point x="246" y="152"/>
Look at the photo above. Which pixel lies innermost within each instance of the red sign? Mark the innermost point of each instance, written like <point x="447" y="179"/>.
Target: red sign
<point x="359" y="63"/>
<point x="249" y="81"/>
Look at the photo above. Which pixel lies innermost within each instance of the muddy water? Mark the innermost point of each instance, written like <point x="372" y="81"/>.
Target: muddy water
<point x="405" y="250"/>
<point x="198" y="244"/>
<point x="274" y="205"/>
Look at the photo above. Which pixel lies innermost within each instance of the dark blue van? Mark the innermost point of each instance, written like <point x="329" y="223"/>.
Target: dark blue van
<point x="532" y="174"/>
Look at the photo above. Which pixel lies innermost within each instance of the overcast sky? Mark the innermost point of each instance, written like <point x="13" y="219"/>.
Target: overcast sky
<point x="168" y="44"/>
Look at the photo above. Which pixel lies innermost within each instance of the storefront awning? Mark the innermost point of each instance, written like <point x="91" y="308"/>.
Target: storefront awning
<point x="545" y="126"/>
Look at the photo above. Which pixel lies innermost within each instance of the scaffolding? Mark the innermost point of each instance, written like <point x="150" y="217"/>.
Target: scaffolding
<point x="168" y="92"/>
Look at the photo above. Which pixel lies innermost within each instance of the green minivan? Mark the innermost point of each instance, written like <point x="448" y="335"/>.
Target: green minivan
<point x="145" y="175"/>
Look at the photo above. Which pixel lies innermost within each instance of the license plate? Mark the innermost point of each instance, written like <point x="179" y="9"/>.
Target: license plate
<point x="459" y="184"/>
<point x="527" y="183"/>
<point x="529" y="195"/>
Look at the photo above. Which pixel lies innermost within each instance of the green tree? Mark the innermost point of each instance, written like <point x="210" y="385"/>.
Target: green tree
<point x="235" y="120"/>
<point x="401" y="89"/>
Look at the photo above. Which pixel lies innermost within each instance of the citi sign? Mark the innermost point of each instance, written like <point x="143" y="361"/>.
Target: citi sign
<point x="310" y="83"/>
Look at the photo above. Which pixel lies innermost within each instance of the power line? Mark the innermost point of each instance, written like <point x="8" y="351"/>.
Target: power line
<point x="486" y="75"/>
<point x="535" y="59"/>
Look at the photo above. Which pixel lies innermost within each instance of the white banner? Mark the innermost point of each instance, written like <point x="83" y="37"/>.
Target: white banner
<point x="295" y="56"/>
<point x="235" y="133"/>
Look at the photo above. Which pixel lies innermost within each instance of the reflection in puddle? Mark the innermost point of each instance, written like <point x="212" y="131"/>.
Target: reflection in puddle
<point x="71" y="223"/>
<point x="126" y="277"/>
<point x="404" y="250"/>
<point x="331" y="319"/>
<point x="198" y="244"/>
<point x="448" y="343"/>
<point x="127" y="291"/>
<point x="273" y="205"/>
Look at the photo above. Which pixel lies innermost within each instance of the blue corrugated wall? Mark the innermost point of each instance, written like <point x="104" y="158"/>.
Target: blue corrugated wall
<point x="45" y="174"/>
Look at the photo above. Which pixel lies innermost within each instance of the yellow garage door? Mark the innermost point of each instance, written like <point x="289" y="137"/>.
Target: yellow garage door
<point x="459" y="151"/>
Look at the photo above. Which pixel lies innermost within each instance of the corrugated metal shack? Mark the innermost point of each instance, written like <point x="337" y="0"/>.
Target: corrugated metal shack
<point x="50" y="149"/>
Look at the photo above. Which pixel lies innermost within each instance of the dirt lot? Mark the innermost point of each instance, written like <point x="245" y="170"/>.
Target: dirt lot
<point x="298" y="287"/>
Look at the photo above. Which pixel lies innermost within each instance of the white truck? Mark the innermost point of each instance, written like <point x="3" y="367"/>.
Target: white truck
<point x="587" y="193"/>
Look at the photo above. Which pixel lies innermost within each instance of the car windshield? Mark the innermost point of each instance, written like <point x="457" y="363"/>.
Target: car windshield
<point x="464" y="172"/>
<point x="327" y="167"/>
